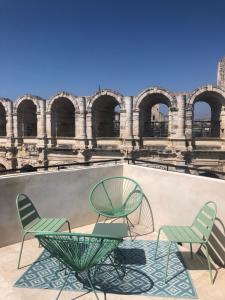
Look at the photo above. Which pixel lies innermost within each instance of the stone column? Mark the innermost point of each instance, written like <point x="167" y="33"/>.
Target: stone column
<point x="9" y="129"/>
<point x="180" y="130"/>
<point x="49" y="129"/>
<point x="41" y="123"/>
<point x="89" y="127"/>
<point x="81" y="123"/>
<point x="18" y="139"/>
<point x="189" y="120"/>
<point x="82" y="118"/>
<point x="9" y="124"/>
<point x="128" y="132"/>
<point x="222" y="123"/>
<point x="170" y="121"/>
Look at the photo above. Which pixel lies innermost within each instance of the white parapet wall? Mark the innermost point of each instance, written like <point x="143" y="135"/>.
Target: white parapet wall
<point x="176" y="198"/>
<point x="60" y="193"/>
<point x="173" y="198"/>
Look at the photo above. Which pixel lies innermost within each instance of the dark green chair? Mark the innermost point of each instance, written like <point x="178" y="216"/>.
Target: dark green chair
<point x="116" y="197"/>
<point x="32" y="223"/>
<point x="80" y="252"/>
<point x="197" y="233"/>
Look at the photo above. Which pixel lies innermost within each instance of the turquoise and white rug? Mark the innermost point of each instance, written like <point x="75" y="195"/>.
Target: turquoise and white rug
<point x="144" y="275"/>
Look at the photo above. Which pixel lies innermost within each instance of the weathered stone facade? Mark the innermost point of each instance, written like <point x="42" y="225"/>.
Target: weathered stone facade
<point x="68" y="128"/>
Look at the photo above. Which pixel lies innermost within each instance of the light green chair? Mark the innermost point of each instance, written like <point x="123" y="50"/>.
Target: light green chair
<point x="116" y="197"/>
<point x="32" y="223"/>
<point x="197" y="233"/>
<point x="81" y="252"/>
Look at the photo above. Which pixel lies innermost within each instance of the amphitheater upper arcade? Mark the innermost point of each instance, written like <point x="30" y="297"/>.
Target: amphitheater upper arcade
<point x="66" y="127"/>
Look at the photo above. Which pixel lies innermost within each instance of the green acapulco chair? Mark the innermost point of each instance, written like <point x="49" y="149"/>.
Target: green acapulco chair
<point x="197" y="233"/>
<point x="80" y="252"/>
<point x="116" y="197"/>
<point x="32" y="223"/>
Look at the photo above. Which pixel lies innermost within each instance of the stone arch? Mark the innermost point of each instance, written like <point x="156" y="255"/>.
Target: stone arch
<point x="172" y="101"/>
<point x="34" y="99"/>
<point x="215" y="98"/>
<point x="207" y="89"/>
<point x="27" y="108"/>
<point x="105" y="108"/>
<point x="66" y="95"/>
<point x="62" y="109"/>
<point x="106" y="92"/>
<point x="152" y="122"/>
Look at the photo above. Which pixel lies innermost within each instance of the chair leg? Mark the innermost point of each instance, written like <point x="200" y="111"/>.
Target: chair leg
<point x="68" y="223"/>
<point x="21" y="249"/>
<point x="191" y="251"/>
<point x="97" y="219"/>
<point x="63" y="286"/>
<point x="157" y="243"/>
<point x="129" y="229"/>
<point x="209" y="263"/>
<point x="91" y="285"/>
<point x="167" y="263"/>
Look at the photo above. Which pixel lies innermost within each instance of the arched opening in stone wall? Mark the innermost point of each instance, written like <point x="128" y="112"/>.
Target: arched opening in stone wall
<point x="2" y="120"/>
<point x="28" y="168"/>
<point x="2" y="167"/>
<point x="63" y="118"/>
<point x="206" y="115"/>
<point x="106" y="117"/>
<point x="154" y="116"/>
<point x="27" y="119"/>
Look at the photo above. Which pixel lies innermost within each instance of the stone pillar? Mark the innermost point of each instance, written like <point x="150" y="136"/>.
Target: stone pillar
<point x="222" y="123"/>
<point x="188" y="126"/>
<point x="170" y="121"/>
<point x="9" y="129"/>
<point x="136" y="124"/>
<point x="82" y="118"/>
<point x="89" y="127"/>
<point x="49" y="129"/>
<point x="221" y="73"/>
<point x="9" y="125"/>
<point x="128" y="132"/>
<point x="18" y="139"/>
<point x="41" y="124"/>
<point x="81" y="125"/>
<point x="180" y="130"/>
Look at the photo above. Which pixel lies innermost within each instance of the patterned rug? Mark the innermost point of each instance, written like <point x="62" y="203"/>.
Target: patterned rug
<point x="144" y="275"/>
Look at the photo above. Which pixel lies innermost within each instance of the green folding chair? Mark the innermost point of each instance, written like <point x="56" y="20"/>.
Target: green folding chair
<point x="197" y="233"/>
<point x="81" y="252"/>
<point x="116" y="197"/>
<point x="32" y="223"/>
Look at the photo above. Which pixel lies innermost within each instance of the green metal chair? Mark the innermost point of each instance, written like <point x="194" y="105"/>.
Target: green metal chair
<point x="116" y="197"/>
<point x="32" y="223"/>
<point x="197" y="233"/>
<point x="80" y="252"/>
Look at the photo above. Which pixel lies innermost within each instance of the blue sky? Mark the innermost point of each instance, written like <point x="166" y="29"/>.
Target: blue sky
<point x="48" y="46"/>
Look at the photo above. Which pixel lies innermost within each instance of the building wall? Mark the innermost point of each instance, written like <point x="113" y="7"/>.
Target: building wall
<point x="179" y="145"/>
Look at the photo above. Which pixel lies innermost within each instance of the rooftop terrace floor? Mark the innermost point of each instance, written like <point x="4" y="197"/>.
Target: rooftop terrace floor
<point x="9" y="274"/>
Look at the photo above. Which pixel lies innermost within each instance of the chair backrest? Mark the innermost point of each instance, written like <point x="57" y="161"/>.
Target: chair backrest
<point x="114" y="194"/>
<point x="26" y="210"/>
<point x="204" y="221"/>
<point x="78" y="251"/>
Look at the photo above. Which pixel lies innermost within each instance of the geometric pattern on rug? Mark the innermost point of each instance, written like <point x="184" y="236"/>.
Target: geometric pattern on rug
<point x="144" y="275"/>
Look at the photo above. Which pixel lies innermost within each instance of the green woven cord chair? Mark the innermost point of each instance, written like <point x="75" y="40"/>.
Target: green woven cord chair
<point x="79" y="252"/>
<point x="116" y="197"/>
<point x="197" y="233"/>
<point x="32" y="223"/>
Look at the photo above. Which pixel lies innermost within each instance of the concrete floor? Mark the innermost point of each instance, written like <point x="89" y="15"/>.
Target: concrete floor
<point x="9" y="274"/>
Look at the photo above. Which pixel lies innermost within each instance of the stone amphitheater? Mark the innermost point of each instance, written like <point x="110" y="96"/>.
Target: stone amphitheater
<point x="68" y="128"/>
